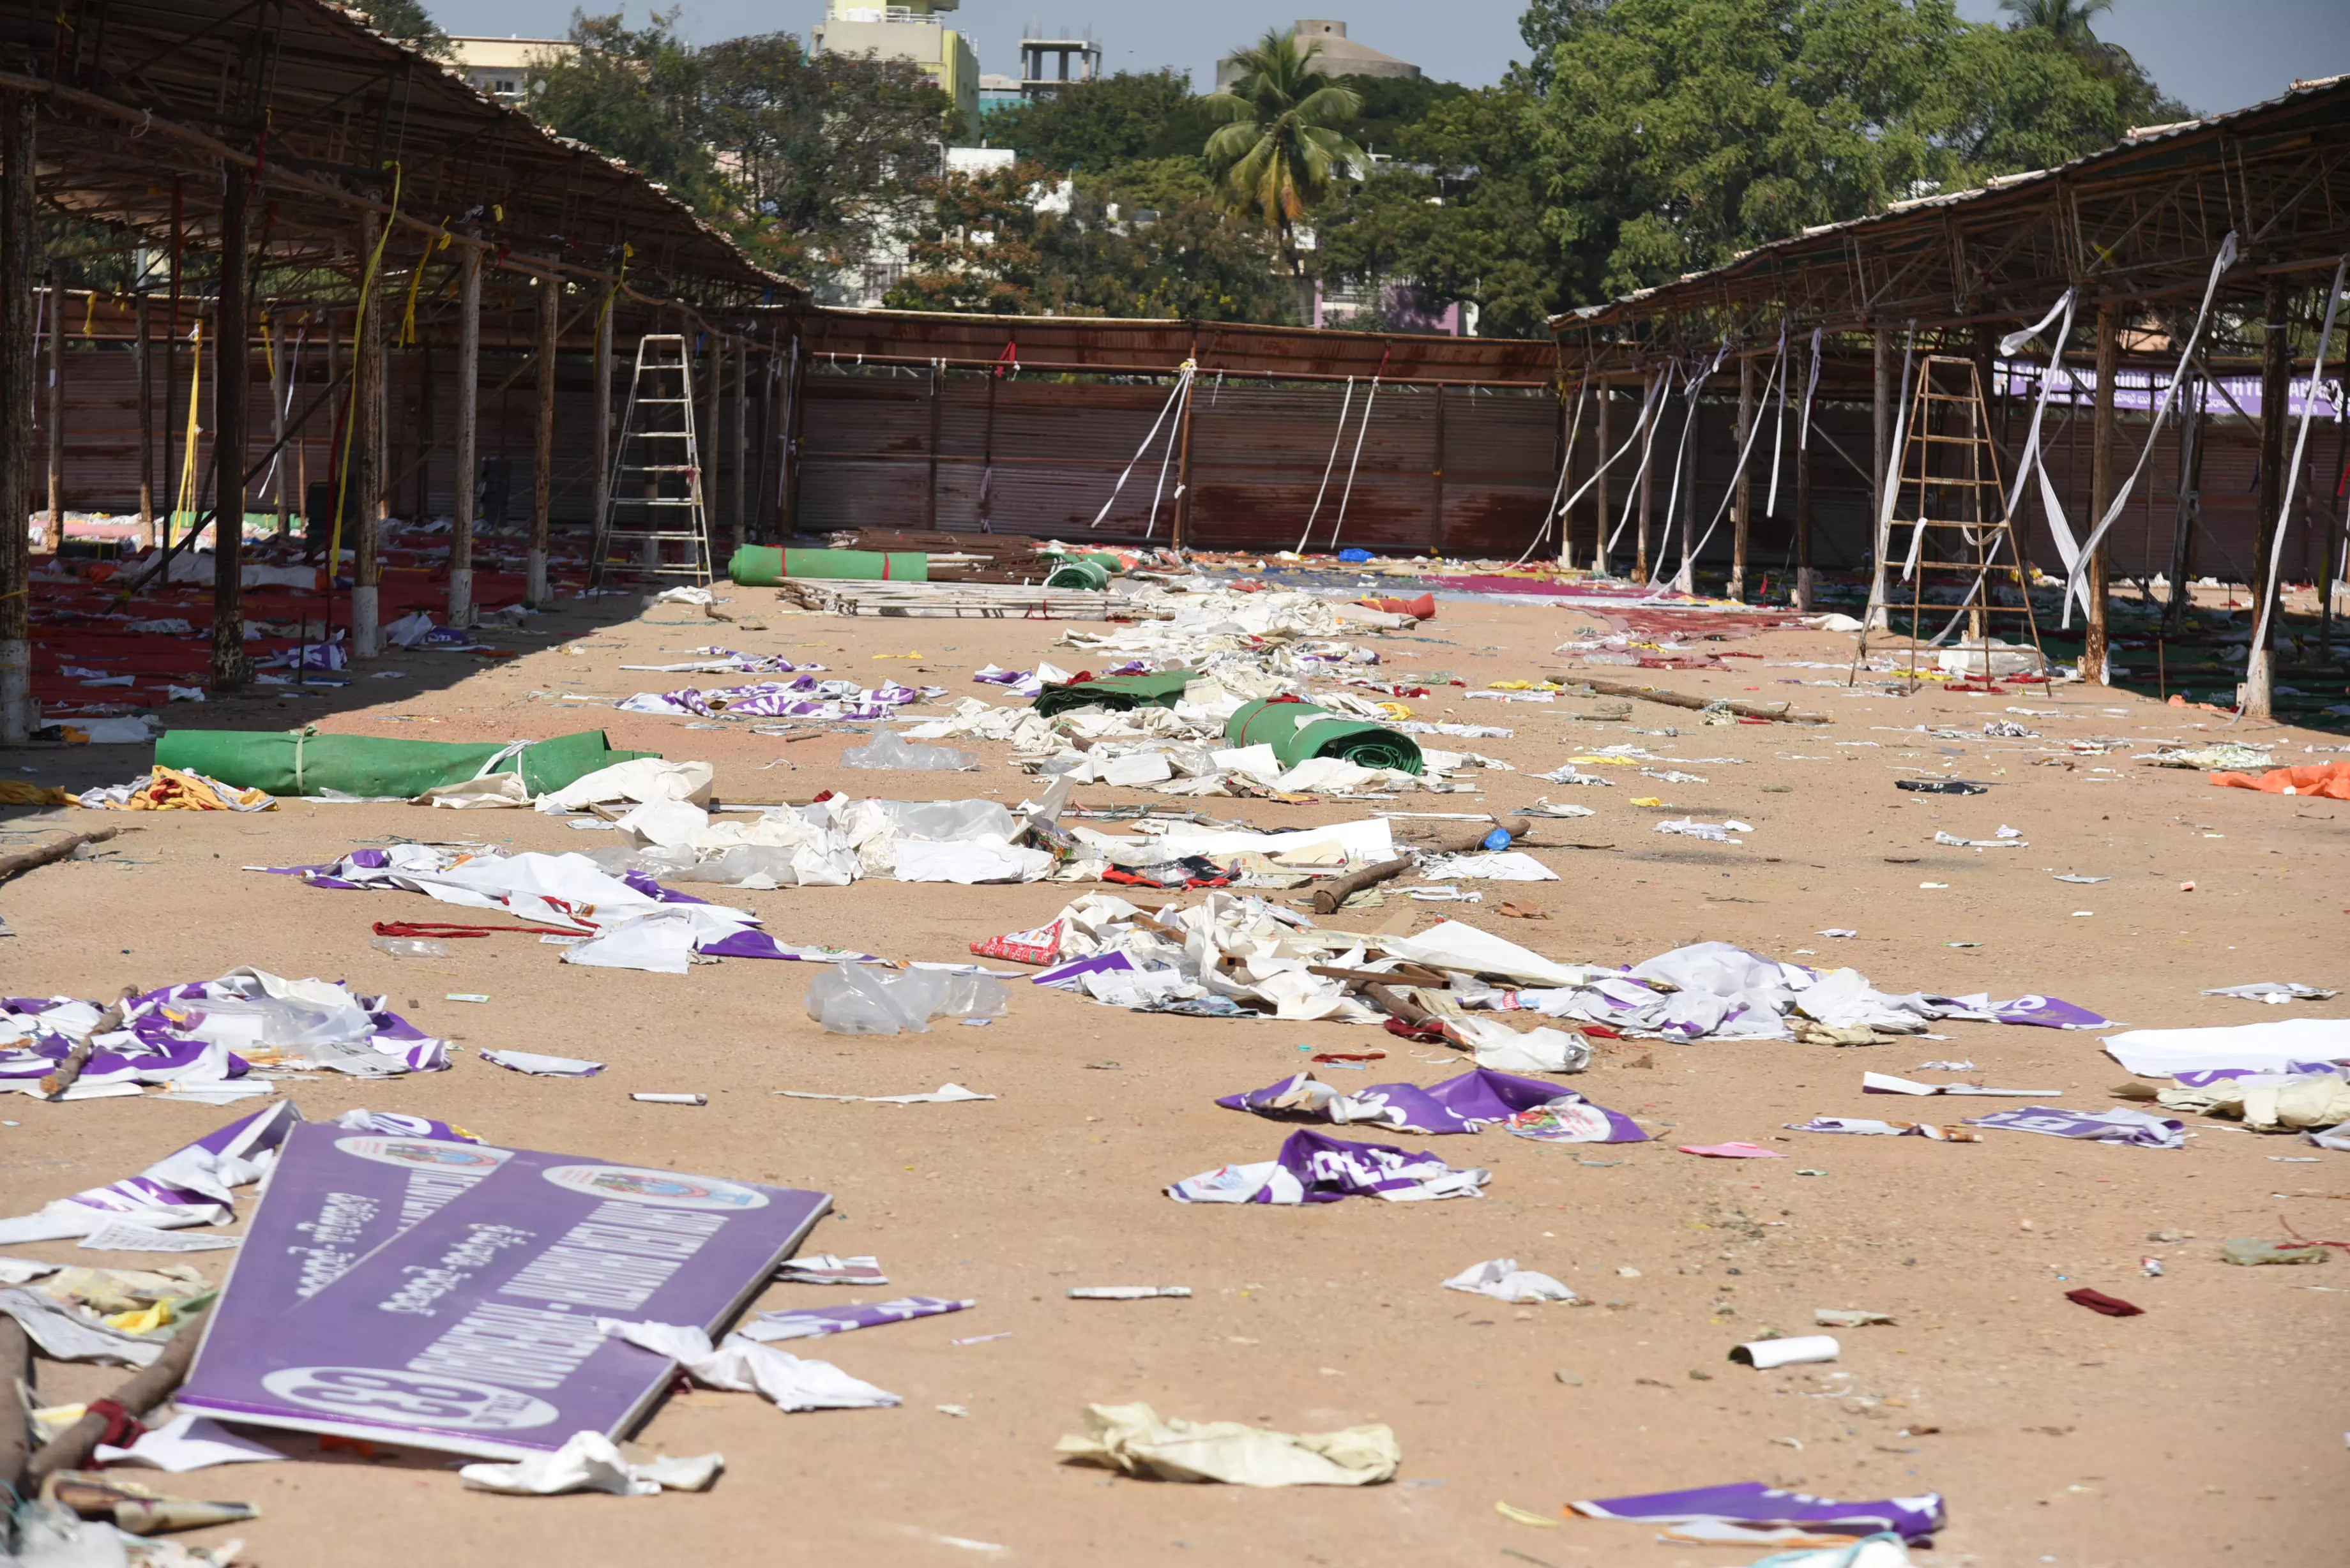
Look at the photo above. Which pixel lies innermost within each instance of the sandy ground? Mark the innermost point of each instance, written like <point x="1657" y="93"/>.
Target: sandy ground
<point x="2208" y="1429"/>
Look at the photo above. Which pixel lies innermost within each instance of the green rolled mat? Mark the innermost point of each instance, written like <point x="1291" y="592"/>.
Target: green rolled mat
<point x="763" y="566"/>
<point x="1297" y="730"/>
<point x="301" y="762"/>
<point x="1117" y="692"/>
<point x="1091" y="575"/>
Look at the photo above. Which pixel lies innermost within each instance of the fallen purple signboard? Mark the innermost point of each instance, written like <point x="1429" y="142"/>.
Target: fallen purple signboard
<point x="474" y="1330"/>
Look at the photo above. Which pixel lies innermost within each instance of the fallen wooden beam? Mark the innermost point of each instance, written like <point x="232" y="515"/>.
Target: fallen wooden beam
<point x="1781" y="712"/>
<point x="24" y="860"/>
<point x="138" y="1394"/>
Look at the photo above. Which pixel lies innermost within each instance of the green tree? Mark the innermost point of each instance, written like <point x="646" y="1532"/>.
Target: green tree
<point x="1457" y="217"/>
<point x="1674" y="134"/>
<point x="1392" y="105"/>
<point x="2067" y="24"/>
<point x="1282" y="148"/>
<point x="408" y="21"/>
<point x="1092" y="125"/>
<point x="636" y="94"/>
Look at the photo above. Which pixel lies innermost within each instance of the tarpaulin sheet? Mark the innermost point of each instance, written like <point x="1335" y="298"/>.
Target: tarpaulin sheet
<point x="763" y="566"/>
<point x="1117" y="692"/>
<point x="1297" y="730"/>
<point x="299" y="762"/>
<point x="2331" y="780"/>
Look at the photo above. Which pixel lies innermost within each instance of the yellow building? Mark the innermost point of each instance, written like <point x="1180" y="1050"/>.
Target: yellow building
<point x="507" y="68"/>
<point x="912" y="31"/>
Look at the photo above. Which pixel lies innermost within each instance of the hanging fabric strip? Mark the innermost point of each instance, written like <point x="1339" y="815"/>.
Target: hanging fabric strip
<point x="1685" y="580"/>
<point x="1893" y="455"/>
<point x="1650" y="407"/>
<point x="1168" y="456"/>
<point x="2219" y="265"/>
<point x="1338" y="439"/>
<point x="1811" y="390"/>
<point x="2293" y="475"/>
<point x="1551" y="510"/>
<point x="2034" y="463"/>
<point x="1690" y="396"/>
<point x="1779" y="432"/>
<point x="1182" y="380"/>
<point x="1608" y="464"/>
<point x="1355" y="462"/>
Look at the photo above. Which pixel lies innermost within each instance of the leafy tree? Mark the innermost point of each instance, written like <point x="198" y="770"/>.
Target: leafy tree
<point x="977" y="248"/>
<point x="408" y="21"/>
<point x="1674" y="134"/>
<point x="1393" y="104"/>
<point x="2067" y="25"/>
<point x="1458" y="216"/>
<point x="1160" y="184"/>
<point x="1280" y="149"/>
<point x="1092" y="125"/>
<point x="804" y="159"/>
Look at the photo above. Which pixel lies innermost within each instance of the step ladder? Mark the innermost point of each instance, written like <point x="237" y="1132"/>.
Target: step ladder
<point x="654" y="525"/>
<point x="1948" y="498"/>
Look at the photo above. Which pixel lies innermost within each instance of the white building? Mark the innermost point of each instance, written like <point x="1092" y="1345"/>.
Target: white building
<point x="509" y="68"/>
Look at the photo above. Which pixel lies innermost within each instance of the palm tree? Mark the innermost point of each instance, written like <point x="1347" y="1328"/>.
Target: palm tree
<point x="2066" y="21"/>
<point x="1281" y="147"/>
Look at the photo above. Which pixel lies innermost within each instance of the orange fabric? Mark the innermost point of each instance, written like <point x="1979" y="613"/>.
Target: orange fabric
<point x="2331" y="780"/>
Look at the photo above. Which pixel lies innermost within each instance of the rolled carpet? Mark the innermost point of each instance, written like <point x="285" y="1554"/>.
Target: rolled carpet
<point x="1090" y="575"/>
<point x="1296" y="731"/>
<point x="763" y="566"/>
<point x="302" y="762"/>
<point x="1118" y="693"/>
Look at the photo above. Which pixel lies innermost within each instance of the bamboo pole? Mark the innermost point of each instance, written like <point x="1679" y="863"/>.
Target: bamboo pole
<point x="18" y="238"/>
<point x="469" y="408"/>
<point x="2096" y="644"/>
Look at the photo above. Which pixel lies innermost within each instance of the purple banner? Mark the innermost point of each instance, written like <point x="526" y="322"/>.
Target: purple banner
<point x="1476" y="1099"/>
<point x="814" y="1323"/>
<point x="2117" y="1126"/>
<point x="1313" y="1168"/>
<point x="336" y="1196"/>
<point x="1915" y="1518"/>
<point x="474" y="1331"/>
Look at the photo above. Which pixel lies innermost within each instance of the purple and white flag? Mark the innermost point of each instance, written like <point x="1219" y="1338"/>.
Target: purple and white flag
<point x="1882" y="1130"/>
<point x="1914" y="1519"/>
<point x="1476" y="1099"/>
<point x="2116" y="1126"/>
<point x="1314" y="1168"/>
<point x="2046" y="1011"/>
<point x="814" y="1323"/>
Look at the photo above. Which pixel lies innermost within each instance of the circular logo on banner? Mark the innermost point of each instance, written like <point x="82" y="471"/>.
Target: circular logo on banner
<point x="666" y="1188"/>
<point x="1561" y="1121"/>
<point x="407" y="1398"/>
<point x="426" y="1153"/>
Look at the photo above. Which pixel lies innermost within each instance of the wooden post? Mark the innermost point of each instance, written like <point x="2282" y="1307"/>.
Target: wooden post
<point x="601" y="493"/>
<point x="794" y="427"/>
<point x="541" y="466"/>
<point x="57" y="432"/>
<point x="714" y="483"/>
<point x="743" y="480"/>
<point x="2191" y="505"/>
<point x="1686" y="579"/>
<point x="232" y="386"/>
<point x="1883" y="394"/>
<point x="469" y="408"/>
<point x="280" y="379"/>
<point x="363" y="484"/>
<point x="146" y="348"/>
<point x="2276" y="387"/>
<point x="1436" y="477"/>
<point x="1599" y="488"/>
<point x="931" y="486"/>
<point x="1648" y="479"/>
<point x="1179" y="531"/>
<point x="1741" y="512"/>
<point x="2095" y="643"/>
<point x="1803" y="571"/>
<point x="19" y="267"/>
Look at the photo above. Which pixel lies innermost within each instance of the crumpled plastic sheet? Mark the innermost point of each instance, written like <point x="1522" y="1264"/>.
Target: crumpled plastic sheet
<point x="2270" y="1101"/>
<point x="1752" y="1512"/>
<point x="747" y="1367"/>
<point x="2116" y="1126"/>
<point x="1467" y="1104"/>
<point x="804" y="696"/>
<point x="1136" y="1439"/>
<point x="1502" y="1279"/>
<point x="190" y="1186"/>
<point x="591" y="1461"/>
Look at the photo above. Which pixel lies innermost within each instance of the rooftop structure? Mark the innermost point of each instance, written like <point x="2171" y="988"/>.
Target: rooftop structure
<point x="1338" y="54"/>
<point x="912" y="31"/>
<point x="508" y="69"/>
<point x="1048" y="66"/>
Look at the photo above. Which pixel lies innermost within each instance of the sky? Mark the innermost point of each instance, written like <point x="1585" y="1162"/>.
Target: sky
<point x="2212" y="56"/>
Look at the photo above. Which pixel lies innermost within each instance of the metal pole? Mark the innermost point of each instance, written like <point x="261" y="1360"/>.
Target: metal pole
<point x="280" y="373"/>
<point x="364" y="484"/>
<point x="2190" y="501"/>
<point x="1883" y="392"/>
<point x="56" y="419"/>
<point x="741" y="489"/>
<point x="1179" y="533"/>
<point x="1741" y="515"/>
<point x="601" y="501"/>
<point x="146" y="348"/>
<point x="469" y="408"/>
<point x="1600" y="508"/>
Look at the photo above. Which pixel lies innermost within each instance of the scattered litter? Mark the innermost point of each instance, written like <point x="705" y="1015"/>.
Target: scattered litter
<point x="2098" y="1301"/>
<point x="531" y="1062"/>
<point x="815" y="1323"/>
<point x="188" y="1442"/>
<point x="1134" y="1439"/>
<point x="1526" y="1516"/>
<point x="2275" y="992"/>
<point x="1125" y="1293"/>
<point x="1476" y="1099"/>
<point x="944" y="1095"/>
<point x="465" y="996"/>
<point x="2249" y="1251"/>
<point x="1313" y="1168"/>
<point x="2116" y="1126"/>
<point x="852" y="999"/>
<point x="1941" y="786"/>
<point x="1752" y="1513"/>
<point x="1802" y="1349"/>
<point x="2068" y="877"/>
<point x="2253" y="1047"/>
<point x="671" y="1099"/>
<point x="591" y="1461"/>
<point x="1502" y="1279"/>
<point x="824" y="1269"/>
<point x="744" y="1365"/>
<point x="1849" y="1317"/>
<point x="1837" y="931"/>
<point x="1885" y="1084"/>
<point x="1713" y="832"/>
<point x="1731" y="1151"/>
<point x="121" y="1236"/>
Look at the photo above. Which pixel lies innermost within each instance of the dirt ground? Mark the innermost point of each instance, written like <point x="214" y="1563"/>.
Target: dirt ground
<point x="2208" y="1429"/>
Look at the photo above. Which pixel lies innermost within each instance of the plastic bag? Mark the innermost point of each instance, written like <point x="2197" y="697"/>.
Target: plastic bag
<point x="890" y="749"/>
<point x="855" y="999"/>
<point x="410" y="947"/>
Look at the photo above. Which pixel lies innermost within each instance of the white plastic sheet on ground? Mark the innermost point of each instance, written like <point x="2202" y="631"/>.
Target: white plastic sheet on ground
<point x="2259" y="1048"/>
<point x="591" y="1461"/>
<point x="1502" y="1279"/>
<point x="1134" y="1439"/>
<point x="748" y="1366"/>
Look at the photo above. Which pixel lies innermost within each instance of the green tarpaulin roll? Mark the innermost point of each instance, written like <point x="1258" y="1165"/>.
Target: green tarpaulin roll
<point x="1296" y="731"/>
<point x="1117" y="692"/>
<point x="299" y="762"/>
<point x="1091" y="575"/>
<point x="763" y="566"/>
